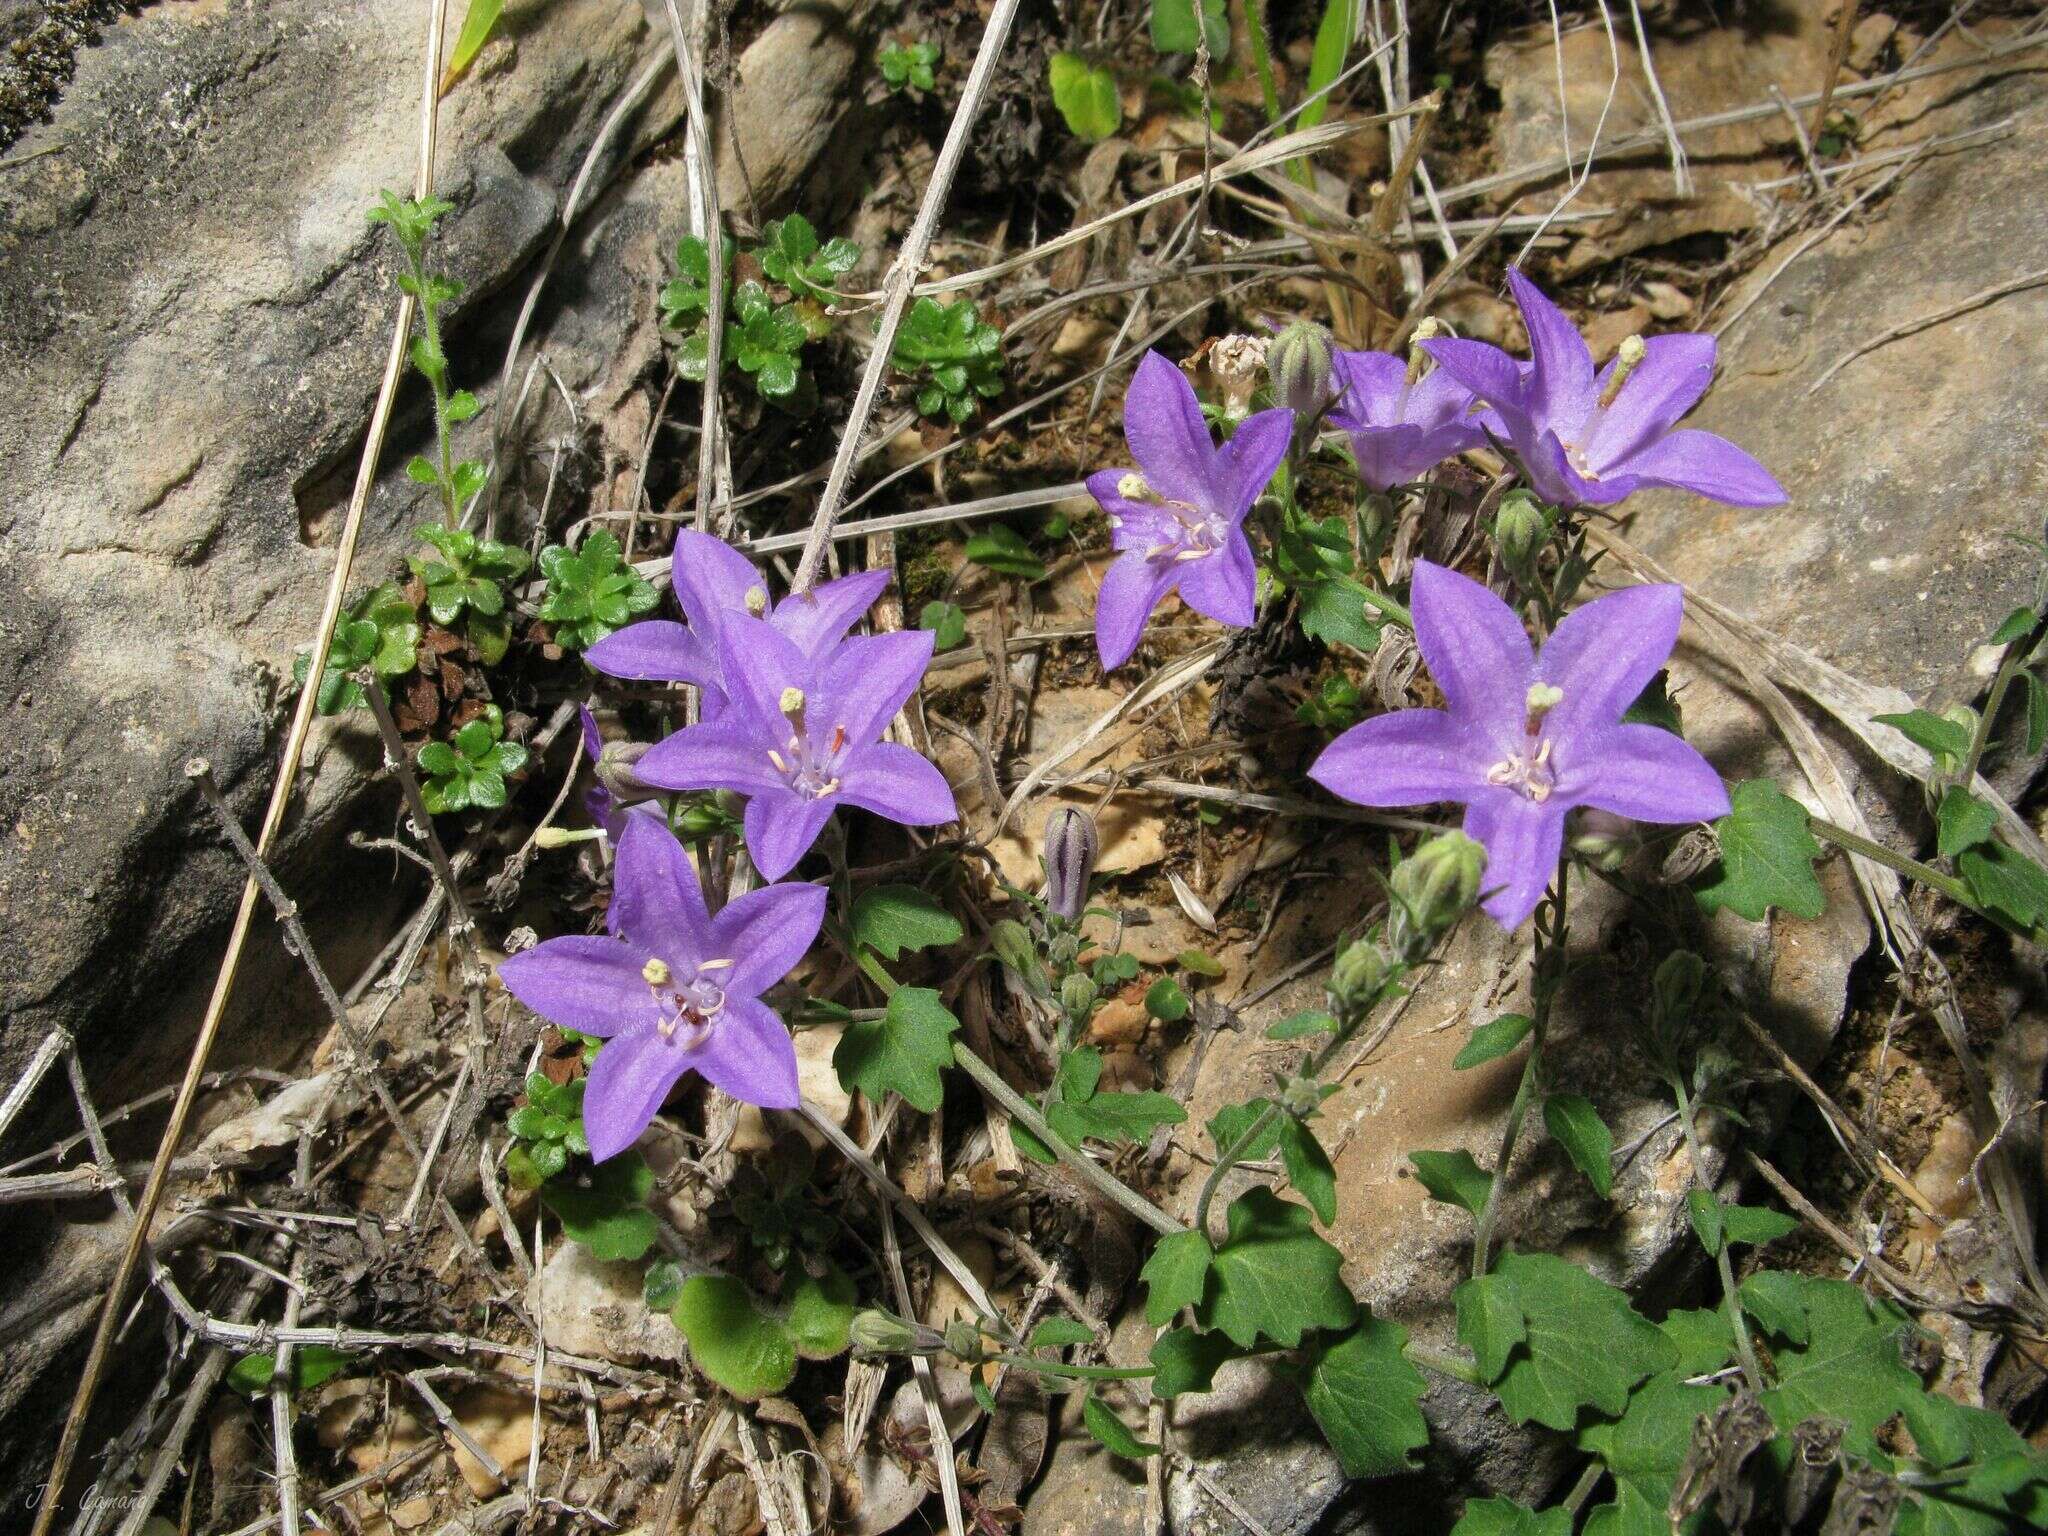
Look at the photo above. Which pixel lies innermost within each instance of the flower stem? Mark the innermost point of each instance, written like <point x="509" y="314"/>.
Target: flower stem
<point x="2008" y="668"/>
<point x="1745" y="1351"/>
<point x="1077" y="1372"/>
<point x="1387" y="606"/>
<point x="1914" y="869"/>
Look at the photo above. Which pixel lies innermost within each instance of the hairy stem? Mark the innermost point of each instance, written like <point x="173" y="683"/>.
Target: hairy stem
<point x="1926" y="874"/>
<point x="1745" y="1351"/>
<point x="1077" y="1372"/>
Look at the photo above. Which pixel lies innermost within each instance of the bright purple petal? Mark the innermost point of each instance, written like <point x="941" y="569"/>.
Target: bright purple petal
<point x="781" y="825"/>
<point x="721" y="754"/>
<point x="655" y="650"/>
<point x="1131" y="588"/>
<point x="765" y="933"/>
<point x="1710" y="466"/>
<point x="1476" y="649"/>
<point x="1225" y="585"/>
<point x="1246" y="463"/>
<point x="895" y="782"/>
<point x="1523" y="839"/>
<point x="819" y="619"/>
<point x="1561" y="389"/>
<point x="1646" y="773"/>
<point x="712" y="579"/>
<point x="656" y="900"/>
<point x="593" y="739"/>
<point x="749" y="1055"/>
<point x="759" y="662"/>
<point x="629" y="1082"/>
<point x="591" y="984"/>
<point x="1168" y="437"/>
<point x="866" y="681"/>
<point x="1674" y="373"/>
<point x="1372" y="385"/>
<point x="1491" y="375"/>
<point x="1385" y="456"/>
<point x="1410" y="757"/>
<point x="1602" y="655"/>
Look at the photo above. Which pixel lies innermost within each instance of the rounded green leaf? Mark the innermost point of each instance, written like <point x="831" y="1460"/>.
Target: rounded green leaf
<point x="744" y="1350"/>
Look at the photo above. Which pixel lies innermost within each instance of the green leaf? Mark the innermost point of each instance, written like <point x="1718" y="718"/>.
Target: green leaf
<point x="2037" y="713"/>
<point x="607" y="1211"/>
<point x="1175" y="1275"/>
<point x="1849" y="1368"/>
<point x="1644" y="1449"/>
<point x="1944" y="738"/>
<point x="310" y="1365"/>
<point x="1490" y="1042"/>
<point x="1453" y="1177"/>
<point x="1654" y="706"/>
<point x="1704" y="1211"/>
<point x="1310" y="1021"/>
<point x="2016" y="626"/>
<point x="1334" y="610"/>
<point x="903" y="1052"/>
<point x="1767" y="856"/>
<point x="1086" y="95"/>
<point x="662" y="1286"/>
<point x="1963" y="821"/>
<point x="1165" y="1001"/>
<point x="1719" y="1223"/>
<point x="1584" y="1136"/>
<point x="1366" y="1398"/>
<point x="1060" y="1333"/>
<point x="891" y="919"/>
<point x="1229" y="1124"/>
<point x="1274" y="1278"/>
<point x="439" y="759"/>
<point x="749" y="1353"/>
<point x="1002" y="549"/>
<point x="1115" y="1117"/>
<point x="1557" y="1368"/>
<point x="1504" y="1517"/>
<point x="1490" y="1321"/>
<point x="1705" y="1341"/>
<point x="477" y="23"/>
<point x="1186" y="1360"/>
<point x="1326" y="61"/>
<point x="1175" y="28"/>
<point x="1777" y="1301"/>
<point x="946" y="622"/>
<point x="1196" y="963"/>
<point x="1308" y="1167"/>
<point x="820" y="1311"/>
<point x="2005" y="883"/>
<point x="1079" y="1072"/>
<point x="1112" y="1433"/>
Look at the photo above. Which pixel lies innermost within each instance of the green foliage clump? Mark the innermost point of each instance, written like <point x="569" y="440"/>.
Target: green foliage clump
<point x="381" y="632"/>
<point x="469" y="773"/>
<point x="591" y="591"/>
<point x="955" y="357"/>
<point x="909" y="66"/>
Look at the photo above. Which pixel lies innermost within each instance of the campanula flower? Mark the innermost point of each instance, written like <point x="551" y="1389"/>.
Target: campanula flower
<point x="1402" y="422"/>
<point x="676" y="990"/>
<point x="801" y="735"/>
<point x="715" y="582"/>
<point x="1178" y="519"/>
<point x="1588" y="439"/>
<point x="1523" y="738"/>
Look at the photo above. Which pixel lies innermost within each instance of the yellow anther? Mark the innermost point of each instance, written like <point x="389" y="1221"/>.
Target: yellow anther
<point x="757" y="601"/>
<point x="655" y="972"/>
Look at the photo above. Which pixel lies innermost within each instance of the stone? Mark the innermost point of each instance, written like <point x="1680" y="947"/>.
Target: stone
<point x="588" y="1307"/>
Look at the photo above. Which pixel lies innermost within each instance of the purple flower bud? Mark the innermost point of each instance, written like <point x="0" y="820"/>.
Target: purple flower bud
<point x="1071" y="845"/>
<point x="614" y="769"/>
<point x="1300" y="361"/>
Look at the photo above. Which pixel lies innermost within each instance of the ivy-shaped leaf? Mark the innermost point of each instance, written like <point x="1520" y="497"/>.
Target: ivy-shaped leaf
<point x="606" y="1209"/>
<point x="1165" y="1001"/>
<point x="1366" y="1397"/>
<point x="1086" y="96"/>
<point x="946" y="622"/>
<point x="1274" y="1277"/>
<point x="1455" y="1178"/>
<point x="1176" y="1275"/>
<point x="1584" y="1136"/>
<point x="1504" y="1517"/>
<point x="1767" y="856"/>
<point x="2006" y="883"/>
<point x="903" y="1052"/>
<point x="1187" y="1359"/>
<point x="1848" y="1369"/>
<point x="891" y="919"/>
<point x="1644" y="1450"/>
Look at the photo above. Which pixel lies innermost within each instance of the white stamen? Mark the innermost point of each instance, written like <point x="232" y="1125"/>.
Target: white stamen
<point x="1627" y="357"/>
<point x="717" y="965"/>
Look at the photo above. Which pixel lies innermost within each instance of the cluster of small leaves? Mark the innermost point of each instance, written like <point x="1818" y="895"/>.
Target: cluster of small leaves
<point x="908" y="66"/>
<point x="469" y="773"/>
<point x="764" y="336"/>
<point x="603" y="1206"/>
<point x="955" y="357"/>
<point x="775" y="1207"/>
<point x="381" y="632"/>
<point x="1078" y="1110"/>
<point x="751" y="1347"/>
<point x="547" y="1131"/>
<point x="591" y="591"/>
<point x="1315" y="559"/>
<point x="1335" y="706"/>
<point x="465" y="580"/>
<point x="791" y="255"/>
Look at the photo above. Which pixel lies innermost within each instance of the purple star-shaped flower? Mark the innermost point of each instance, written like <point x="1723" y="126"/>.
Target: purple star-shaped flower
<point x="1179" y="519"/>
<point x="715" y="582"/>
<point x="1524" y="737"/>
<point x="676" y="991"/>
<point x="801" y="734"/>
<point x="1588" y="439"/>
<point x="1400" y="429"/>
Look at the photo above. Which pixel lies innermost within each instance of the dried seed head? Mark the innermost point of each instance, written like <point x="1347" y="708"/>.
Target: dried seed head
<point x="614" y="770"/>
<point x="1132" y="487"/>
<point x="1428" y="328"/>
<point x="1238" y="363"/>
<point x="1071" y="846"/>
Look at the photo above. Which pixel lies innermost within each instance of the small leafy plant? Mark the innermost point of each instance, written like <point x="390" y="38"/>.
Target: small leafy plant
<point x="381" y="632"/>
<point x="1085" y="93"/>
<point x="909" y="66"/>
<point x="791" y="255"/>
<point x="467" y="583"/>
<point x="591" y="591"/>
<point x="954" y="354"/>
<point x="764" y="336"/>
<point x="469" y="773"/>
<point x="547" y="1131"/>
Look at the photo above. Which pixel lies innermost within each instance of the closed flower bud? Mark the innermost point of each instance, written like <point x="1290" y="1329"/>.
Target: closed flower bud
<point x="701" y="819"/>
<point x="1012" y="944"/>
<point x="614" y="771"/>
<point x="1301" y="1096"/>
<point x="1438" y="882"/>
<point x="1071" y="845"/>
<point x="1358" y="975"/>
<point x="1077" y="995"/>
<point x="1299" y="361"/>
<point x="1604" y="840"/>
<point x="963" y="1341"/>
<point x="1677" y="986"/>
<point x="875" y="1332"/>
<point x="1521" y="528"/>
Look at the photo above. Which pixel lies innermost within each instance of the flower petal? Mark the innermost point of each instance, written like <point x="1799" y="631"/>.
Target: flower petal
<point x="1371" y="386"/>
<point x="1560" y="391"/>
<point x="589" y="984"/>
<point x="759" y="662"/>
<point x="1523" y="839"/>
<point x="1668" y="382"/>
<point x="1605" y="653"/>
<point x="819" y="619"/>
<point x="1476" y="649"/>
<point x="712" y="580"/>
<point x="1131" y="588"/>
<point x="1246" y="463"/>
<point x="749" y="1055"/>
<point x="765" y="933"/>
<point x="895" y="782"/>
<point x="719" y="754"/>
<point x="655" y="650"/>
<point x="1649" y="774"/>
<point x="629" y="1082"/>
<point x="593" y="739"/>
<point x="1223" y="586"/>
<point x="1689" y="460"/>
<point x="1491" y="375"/>
<point x="657" y="903"/>
<point x="781" y="825"/>
<point x="1411" y="757"/>
<point x="1168" y="437"/>
<point x="866" y="681"/>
